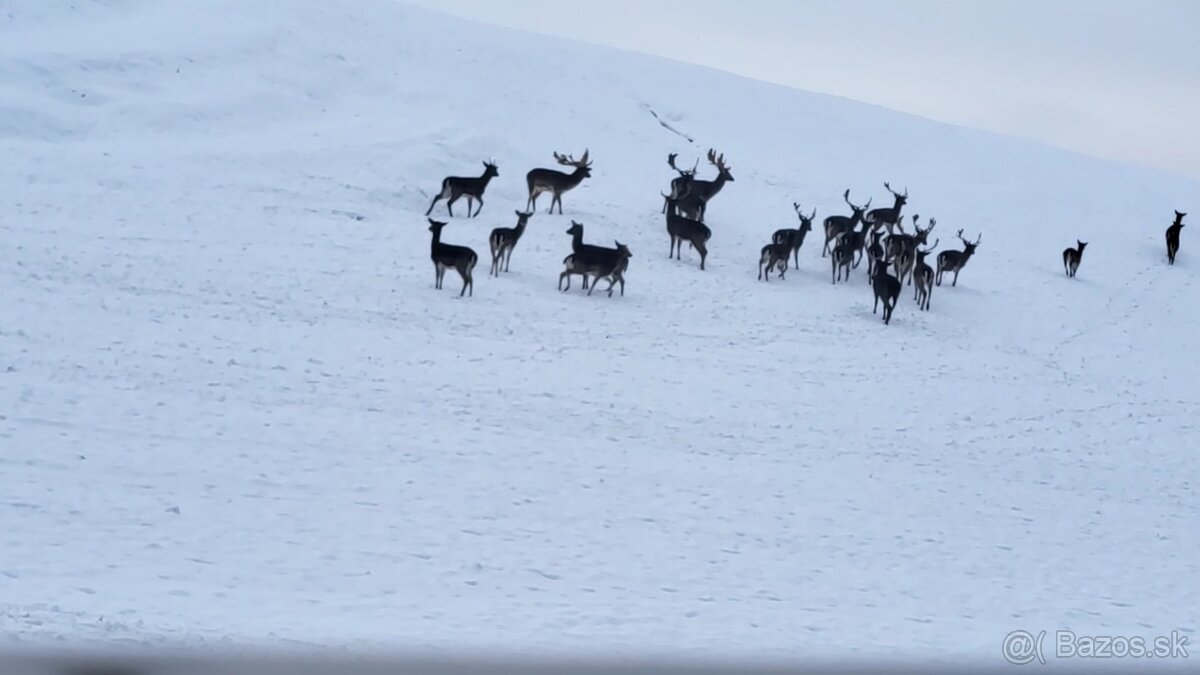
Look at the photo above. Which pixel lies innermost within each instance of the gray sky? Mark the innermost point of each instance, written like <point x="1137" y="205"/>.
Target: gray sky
<point x="1112" y="78"/>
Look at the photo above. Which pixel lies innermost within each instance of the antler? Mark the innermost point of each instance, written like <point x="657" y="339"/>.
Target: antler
<point x="814" y="214"/>
<point x="570" y="160"/>
<point x="671" y="160"/>
<point x="717" y="160"/>
<point x="961" y="237"/>
<point x="796" y="205"/>
<point x="978" y="239"/>
<point x="929" y="249"/>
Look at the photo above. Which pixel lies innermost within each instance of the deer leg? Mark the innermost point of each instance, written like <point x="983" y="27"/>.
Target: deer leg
<point x="480" y="207"/>
<point x="703" y="253"/>
<point x="433" y="203"/>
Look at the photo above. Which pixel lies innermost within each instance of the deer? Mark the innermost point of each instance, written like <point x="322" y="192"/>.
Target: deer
<point x="795" y="238"/>
<point x="841" y="259"/>
<point x="681" y="229"/>
<point x="954" y="261"/>
<point x="836" y="226"/>
<point x="611" y="266"/>
<point x="887" y="216"/>
<point x="887" y="289"/>
<point x="874" y="254"/>
<point x="694" y="203"/>
<point x="774" y="256"/>
<point x="583" y="256"/>
<point x="556" y="182"/>
<point x="461" y="258"/>
<point x="681" y="184"/>
<point x="454" y="187"/>
<point x="1072" y="257"/>
<point x="504" y="239"/>
<point x="1173" y="237"/>
<point x="924" y="278"/>
<point x="903" y="246"/>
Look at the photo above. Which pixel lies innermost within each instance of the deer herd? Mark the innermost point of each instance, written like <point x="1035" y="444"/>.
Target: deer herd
<point x="877" y="234"/>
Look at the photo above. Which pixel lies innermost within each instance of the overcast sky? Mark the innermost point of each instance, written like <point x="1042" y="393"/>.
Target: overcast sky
<point x="1113" y="78"/>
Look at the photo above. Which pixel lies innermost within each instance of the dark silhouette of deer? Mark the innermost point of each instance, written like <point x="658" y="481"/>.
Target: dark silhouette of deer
<point x="454" y="187"/>
<point x="887" y="216"/>
<point x="887" y="289"/>
<point x="954" y="261"/>
<point x="836" y="226"/>
<point x="556" y="182"/>
<point x="682" y="183"/>
<point x="874" y="254"/>
<point x="794" y="238"/>
<point x="1173" y="237"/>
<point x="841" y="259"/>
<point x="923" y="274"/>
<point x="774" y="256"/>
<point x="504" y="239"/>
<point x="461" y="258"/>
<point x="1072" y="257"/>
<point x="903" y="246"/>
<point x="589" y="259"/>
<point x="694" y="203"/>
<point x="681" y="229"/>
<point x="610" y="266"/>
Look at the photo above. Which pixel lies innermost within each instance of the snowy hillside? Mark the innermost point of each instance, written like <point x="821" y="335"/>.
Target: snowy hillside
<point x="233" y="407"/>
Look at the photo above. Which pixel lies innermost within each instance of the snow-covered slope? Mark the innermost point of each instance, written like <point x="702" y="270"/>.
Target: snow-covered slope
<point x="232" y="405"/>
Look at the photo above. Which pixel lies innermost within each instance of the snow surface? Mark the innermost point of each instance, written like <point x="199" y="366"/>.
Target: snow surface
<point x="233" y="407"/>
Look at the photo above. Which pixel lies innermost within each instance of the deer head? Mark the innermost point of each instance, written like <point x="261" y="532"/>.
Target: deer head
<point x="581" y="164"/>
<point x="490" y="170"/>
<point x="858" y="210"/>
<point x="1179" y="217"/>
<point x="923" y="235"/>
<point x="1082" y="245"/>
<point x="901" y="199"/>
<point x="575" y="229"/>
<point x="521" y="215"/>
<point x="622" y="249"/>
<point x="969" y="246"/>
<point x="921" y="253"/>
<point x="719" y="162"/>
<point x="805" y="221"/>
<point x="686" y="173"/>
<point x="435" y="226"/>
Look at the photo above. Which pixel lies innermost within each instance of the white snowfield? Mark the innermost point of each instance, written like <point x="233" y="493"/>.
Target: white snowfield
<point x="233" y="408"/>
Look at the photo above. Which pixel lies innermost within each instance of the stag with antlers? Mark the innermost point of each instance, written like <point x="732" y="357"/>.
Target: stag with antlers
<point x="954" y="261"/>
<point x="836" y="226"/>
<point x="472" y="188"/>
<point x="694" y="202"/>
<point x="887" y="216"/>
<point x="556" y="182"/>
<point x="681" y="184"/>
